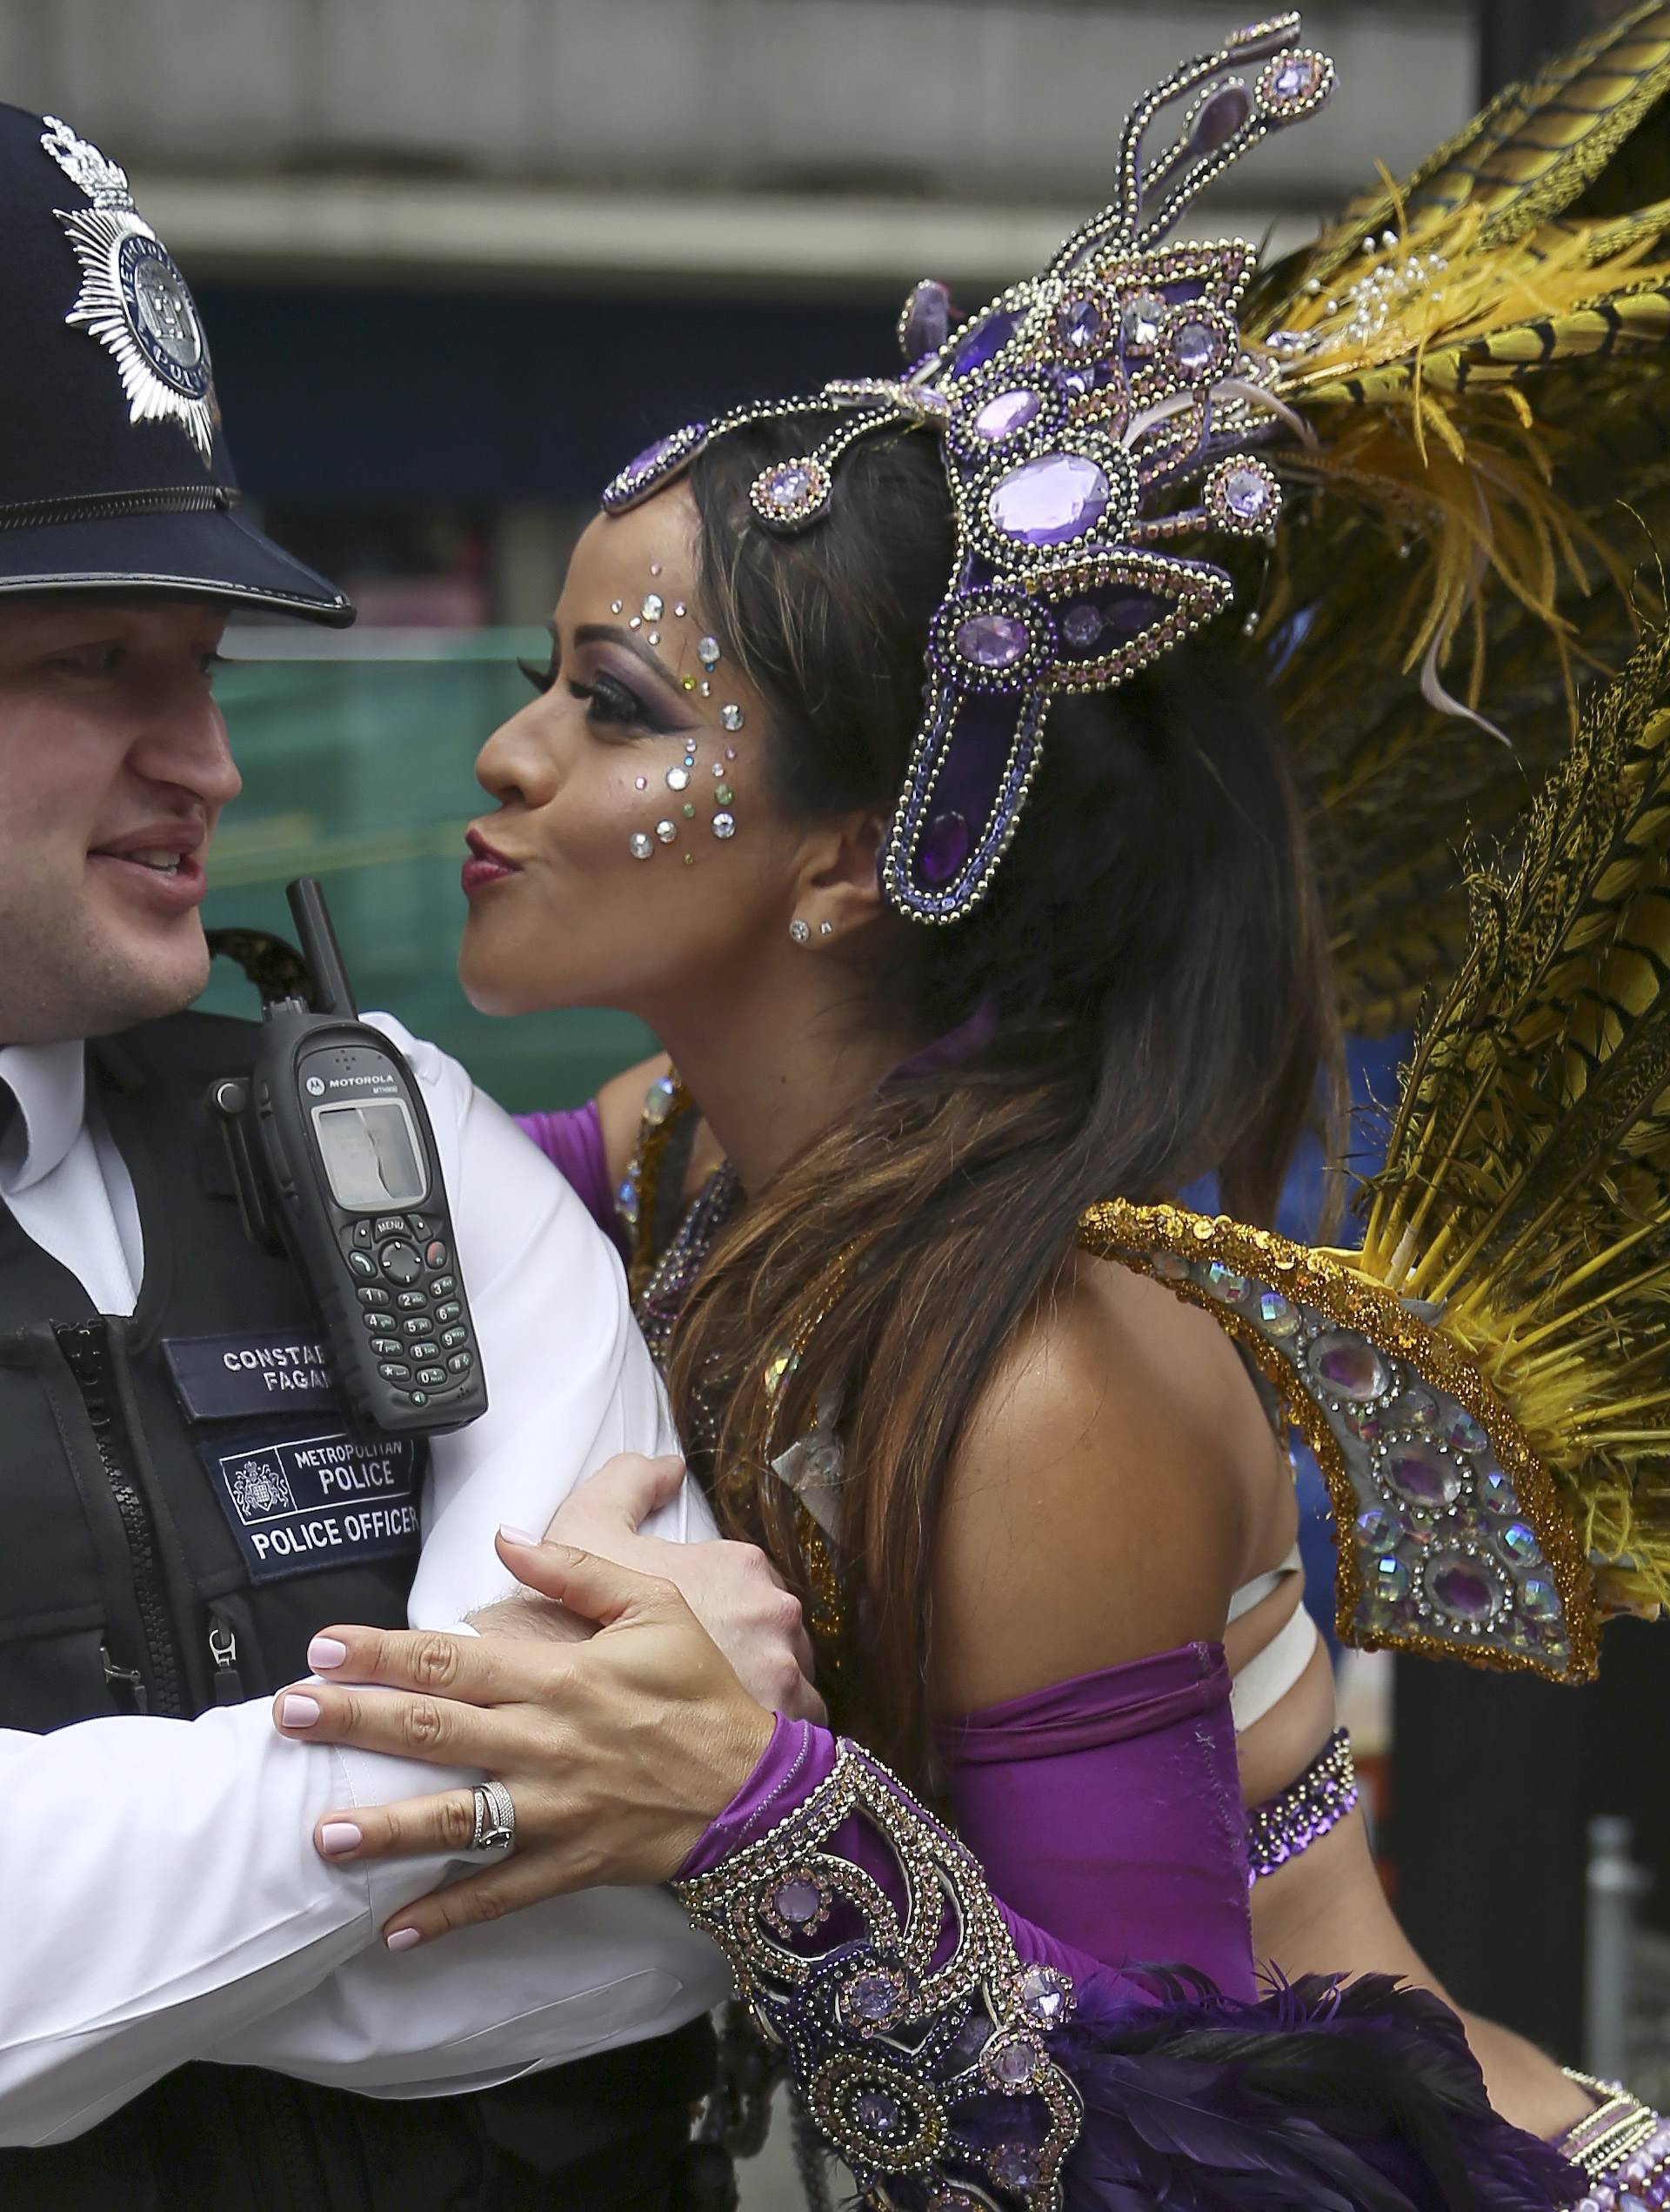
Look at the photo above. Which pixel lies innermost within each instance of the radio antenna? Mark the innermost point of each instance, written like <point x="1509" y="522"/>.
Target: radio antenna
<point x="332" y="993"/>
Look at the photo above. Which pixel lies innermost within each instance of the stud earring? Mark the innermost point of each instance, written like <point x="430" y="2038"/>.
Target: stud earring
<point x="825" y="929"/>
<point x="799" y="931"/>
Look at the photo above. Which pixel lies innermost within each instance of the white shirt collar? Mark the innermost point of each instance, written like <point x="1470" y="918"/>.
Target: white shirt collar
<point x="49" y="1084"/>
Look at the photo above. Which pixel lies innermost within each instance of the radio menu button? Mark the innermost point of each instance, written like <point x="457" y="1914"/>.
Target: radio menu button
<point x="400" y="1263"/>
<point x="387" y="1225"/>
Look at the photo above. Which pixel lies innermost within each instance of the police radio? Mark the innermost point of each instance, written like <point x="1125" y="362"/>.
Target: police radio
<point x="335" y="1163"/>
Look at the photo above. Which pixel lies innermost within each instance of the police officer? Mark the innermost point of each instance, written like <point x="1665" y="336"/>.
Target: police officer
<point x="193" y="2005"/>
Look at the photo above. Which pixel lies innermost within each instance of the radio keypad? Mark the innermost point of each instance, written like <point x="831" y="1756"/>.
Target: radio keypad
<point x="387" y="1347"/>
<point x="452" y="1338"/>
<point x="443" y="1286"/>
<point x="450" y="1311"/>
<point x="373" y="1294"/>
<point x="391" y="1371"/>
<point x="431" y="1375"/>
<point x="412" y="1301"/>
<point x="375" y="1320"/>
<point x="461" y="1362"/>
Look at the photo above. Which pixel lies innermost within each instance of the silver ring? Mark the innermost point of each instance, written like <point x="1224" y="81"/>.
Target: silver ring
<point x="495" y="1819"/>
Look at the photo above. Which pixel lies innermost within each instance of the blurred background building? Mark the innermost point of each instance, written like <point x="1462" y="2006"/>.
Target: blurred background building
<point x="458" y="259"/>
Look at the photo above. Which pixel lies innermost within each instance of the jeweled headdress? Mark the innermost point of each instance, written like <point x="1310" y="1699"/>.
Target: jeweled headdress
<point x="1074" y="410"/>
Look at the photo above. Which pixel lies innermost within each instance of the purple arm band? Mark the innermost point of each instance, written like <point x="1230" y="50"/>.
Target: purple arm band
<point x="572" y="1141"/>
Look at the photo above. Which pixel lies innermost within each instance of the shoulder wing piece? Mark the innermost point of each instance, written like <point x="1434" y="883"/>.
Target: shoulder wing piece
<point x="1453" y="1540"/>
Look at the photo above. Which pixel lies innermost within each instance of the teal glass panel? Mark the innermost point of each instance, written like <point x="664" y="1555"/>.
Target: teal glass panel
<point x="358" y="771"/>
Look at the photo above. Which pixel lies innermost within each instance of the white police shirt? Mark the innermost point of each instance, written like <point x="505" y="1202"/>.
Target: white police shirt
<point x="162" y="1897"/>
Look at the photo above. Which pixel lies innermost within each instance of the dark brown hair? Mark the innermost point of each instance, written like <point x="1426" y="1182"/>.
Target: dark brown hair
<point x="1156" y="1007"/>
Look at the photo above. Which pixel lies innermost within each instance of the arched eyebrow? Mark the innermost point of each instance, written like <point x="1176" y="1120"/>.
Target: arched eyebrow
<point x="610" y="633"/>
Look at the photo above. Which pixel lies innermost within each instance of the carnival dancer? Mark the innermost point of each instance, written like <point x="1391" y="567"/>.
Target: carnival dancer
<point x="968" y="984"/>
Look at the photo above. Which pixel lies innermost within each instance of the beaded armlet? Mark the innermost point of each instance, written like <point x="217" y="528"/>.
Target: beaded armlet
<point x="1623" y="2147"/>
<point x="1287" y="1824"/>
<point x="905" y="2026"/>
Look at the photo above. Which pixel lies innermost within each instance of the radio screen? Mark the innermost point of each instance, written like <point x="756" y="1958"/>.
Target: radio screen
<point x="371" y="1154"/>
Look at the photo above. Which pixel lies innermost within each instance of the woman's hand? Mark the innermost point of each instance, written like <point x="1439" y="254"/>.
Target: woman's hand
<point x="731" y="1588"/>
<point x="616" y="1752"/>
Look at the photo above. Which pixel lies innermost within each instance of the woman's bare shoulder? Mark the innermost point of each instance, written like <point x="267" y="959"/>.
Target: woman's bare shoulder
<point x="1104" y="1495"/>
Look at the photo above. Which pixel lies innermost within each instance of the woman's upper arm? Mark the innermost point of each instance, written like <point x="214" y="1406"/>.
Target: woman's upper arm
<point x="1103" y="1497"/>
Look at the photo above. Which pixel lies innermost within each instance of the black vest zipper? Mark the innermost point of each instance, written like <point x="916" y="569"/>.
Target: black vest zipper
<point x="87" y="1349"/>
<point x="223" y="1649"/>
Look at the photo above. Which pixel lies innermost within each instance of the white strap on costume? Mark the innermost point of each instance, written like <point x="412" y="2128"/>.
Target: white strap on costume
<point x="1267" y="1677"/>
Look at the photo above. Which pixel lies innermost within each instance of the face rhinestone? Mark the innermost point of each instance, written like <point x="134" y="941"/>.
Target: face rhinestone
<point x="731" y="750"/>
<point x="654" y="637"/>
<point x="614" y="606"/>
<point x="1423" y="1475"/>
<point x="1461" y="1588"/>
<point x="666" y="832"/>
<point x="651" y="607"/>
<point x="1009" y="412"/>
<point x="724" y="825"/>
<point x="679" y="609"/>
<point x="1351" y="1368"/>
<point x="723" y="794"/>
<point x="1082" y="624"/>
<point x="730" y="718"/>
<point x="688" y="812"/>
<point x="1051" y="500"/>
<point x="642" y="782"/>
<point x="993" y="640"/>
<point x="677" y="778"/>
<point x="707" y="651"/>
<point x="655" y="568"/>
<point x="640" y="846"/>
<point x="636" y="622"/>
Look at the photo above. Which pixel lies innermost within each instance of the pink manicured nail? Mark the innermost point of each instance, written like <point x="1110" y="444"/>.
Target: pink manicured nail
<point x="338" y="1836"/>
<point x="516" y="1535"/>
<point x="403" y="1939"/>
<point x="324" y="1653"/>
<point x="299" y="1711"/>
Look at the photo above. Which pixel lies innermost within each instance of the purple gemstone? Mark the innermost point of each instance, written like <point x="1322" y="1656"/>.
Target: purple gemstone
<point x="1082" y="624"/>
<point x="927" y="320"/>
<point x="1351" y="1368"/>
<point x="1010" y="2063"/>
<point x="993" y="640"/>
<point x="1295" y="78"/>
<point x="650" y="458"/>
<point x="1221" y="118"/>
<point x="871" y="1997"/>
<point x="797" y="1901"/>
<point x="1049" y="500"/>
<point x="1004" y="416"/>
<point x="788" y="486"/>
<point x="1015" y="2166"/>
<point x="1080" y="325"/>
<point x="990" y="333"/>
<point x="1247" y="494"/>
<point x="1422" y="1475"/>
<point x="945" y="847"/>
<point x="1463" y="1589"/>
<point x="1197" y="347"/>
<point x="1044" y="1995"/>
<point x="876" y="2113"/>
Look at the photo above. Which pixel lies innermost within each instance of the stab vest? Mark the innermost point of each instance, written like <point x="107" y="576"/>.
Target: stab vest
<point x="184" y="1506"/>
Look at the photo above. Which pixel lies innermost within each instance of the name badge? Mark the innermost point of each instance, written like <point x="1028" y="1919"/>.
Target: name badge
<point x="230" y="1377"/>
<point x="297" y="1507"/>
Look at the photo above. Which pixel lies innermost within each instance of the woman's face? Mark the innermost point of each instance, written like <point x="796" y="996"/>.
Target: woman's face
<point x="635" y="856"/>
